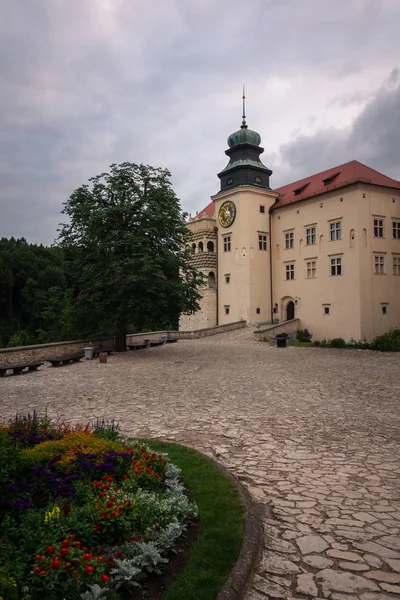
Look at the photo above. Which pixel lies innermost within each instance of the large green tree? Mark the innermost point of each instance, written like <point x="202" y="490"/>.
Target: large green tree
<point x="125" y="246"/>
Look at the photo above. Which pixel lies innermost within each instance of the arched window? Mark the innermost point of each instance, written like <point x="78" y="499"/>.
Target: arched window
<point x="201" y="248"/>
<point x="194" y="248"/>
<point x="211" y="279"/>
<point x="210" y="246"/>
<point x="321" y="243"/>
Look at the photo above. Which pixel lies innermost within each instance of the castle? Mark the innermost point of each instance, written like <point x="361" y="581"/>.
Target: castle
<point x="324" y="250"/>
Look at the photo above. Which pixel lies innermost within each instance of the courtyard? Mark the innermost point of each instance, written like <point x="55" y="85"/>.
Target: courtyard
<point x="313" y="433"/>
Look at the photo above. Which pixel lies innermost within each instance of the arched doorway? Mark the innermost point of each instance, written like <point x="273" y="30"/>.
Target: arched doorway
<point x="290" y="310"/>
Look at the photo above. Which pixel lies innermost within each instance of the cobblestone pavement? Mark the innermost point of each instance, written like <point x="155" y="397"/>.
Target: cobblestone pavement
<point x="313" y="433"/>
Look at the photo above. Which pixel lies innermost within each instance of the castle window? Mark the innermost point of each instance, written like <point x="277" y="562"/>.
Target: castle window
<point x="289" y="240"/>
<point x="262" y="242"/>
<point x="210" y="246"/>
<point x="336" y="231"/>
<point x="379" y="261"/>
<point x="396" y="265"/>
<point x="227" y="309"/>
<point x="230" y="181"/>
<point x="228" y="278"/>
<point x="211" y="279"/>
<point x="258" y="180"/>
<point x="300" y="190"/>
<point x="378" y="228"/>
<point x="201" y="247"/>
<point x="194" y="247"/>
<point x="336" y="266"/>
<point x="310" y="236"/>
<point x="258" y="311"/>
<point x="329" y="180"/>
<point x="396" y="230"/>
<point x="262" y="208"/>
<point x="311" y="269"/>
<point x="327" y="309"/>
<point x="227" y="243"/>
<point x="290" y="271"/>
<point x="384" y="308"/>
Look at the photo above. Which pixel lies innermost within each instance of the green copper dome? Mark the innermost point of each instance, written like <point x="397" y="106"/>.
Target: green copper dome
<point x="244" y="136"/>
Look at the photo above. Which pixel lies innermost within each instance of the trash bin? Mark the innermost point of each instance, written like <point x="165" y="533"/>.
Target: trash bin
<point x="164" y="339"/>
<point x="103" y="357"/>
<point x="88" y="352"/>
<point x="281" y="340"/>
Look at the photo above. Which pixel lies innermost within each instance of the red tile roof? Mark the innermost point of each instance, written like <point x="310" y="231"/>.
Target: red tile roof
<point x="332" y="179"/>
<point x="207" y="213"/>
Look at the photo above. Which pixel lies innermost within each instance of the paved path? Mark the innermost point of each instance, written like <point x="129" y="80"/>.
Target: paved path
<point x="313" y="433"/>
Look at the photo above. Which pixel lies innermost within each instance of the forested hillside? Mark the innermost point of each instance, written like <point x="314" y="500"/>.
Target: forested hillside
<point x="35" y="297"/>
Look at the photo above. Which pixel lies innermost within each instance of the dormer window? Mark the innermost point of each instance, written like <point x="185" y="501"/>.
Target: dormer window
<point x="258" y="180"/>
<point x="300" y="189"/>
<point x="329" y="180"/>
<point x="230" y="181"/>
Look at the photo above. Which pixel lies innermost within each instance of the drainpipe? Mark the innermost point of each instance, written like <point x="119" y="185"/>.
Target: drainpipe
<point x="216" y="290"/>
<point x="270" y="263"/>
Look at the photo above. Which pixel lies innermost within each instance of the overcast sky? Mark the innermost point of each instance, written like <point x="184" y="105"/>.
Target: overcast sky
<point x="86" y="83"/>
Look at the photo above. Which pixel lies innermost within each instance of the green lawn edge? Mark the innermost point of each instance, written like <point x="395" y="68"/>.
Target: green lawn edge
<point x="221" y="523"/>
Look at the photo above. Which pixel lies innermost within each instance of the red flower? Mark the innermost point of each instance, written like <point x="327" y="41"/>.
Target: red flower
<point x="64" y="552"/>
<point x="120" y="554"/>
<point x="112" y="513"/>
<point x="38" y="557"/>
<point x="104" y="578"/>
<point x="109" y="503"/>
<point x="68" y="565"/>
<point x="37" y="569"/>
<point x="116" y="489"/>
<point x="106" y="486"/>
<point x="78" y="544"/>
<point x="89" y="570"/>
<point x="56" y="564"/>
<point x="100" y="558"/>
<point x="50" y="550"/>
<point x="66" y="543"/>
<point x="42" y="574"/>
<point x="87" y="556"/>
<point x="97" y="527"/>
<point x="98" y="484"/>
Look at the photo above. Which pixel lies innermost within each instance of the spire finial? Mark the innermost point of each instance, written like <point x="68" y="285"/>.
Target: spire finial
<point x="244" y="125"/>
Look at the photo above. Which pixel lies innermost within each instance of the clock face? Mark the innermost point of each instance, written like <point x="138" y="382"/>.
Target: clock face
<point x="227" y="213"/>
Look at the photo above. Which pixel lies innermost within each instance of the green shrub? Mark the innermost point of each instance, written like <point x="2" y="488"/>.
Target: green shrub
<point x="388" y="342"/>
<point x="303" y="335"/>
<point x="317" y="343"/>
<point x="338" y="343"/>
<point x="21" y="338"/>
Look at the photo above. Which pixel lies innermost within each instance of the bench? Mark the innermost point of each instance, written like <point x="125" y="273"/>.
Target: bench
<point x="17" y="369"/>
<point x="159" y="342"/>
<point x="139" y="345"/>
<point x="98" y="351"/>
<point x="64" y="360"/>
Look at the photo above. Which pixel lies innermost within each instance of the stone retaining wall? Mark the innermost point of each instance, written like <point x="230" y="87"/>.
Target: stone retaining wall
<point x="42" y="352"/>
<point x="290" y="327"/>
<point x="198" y="333"/>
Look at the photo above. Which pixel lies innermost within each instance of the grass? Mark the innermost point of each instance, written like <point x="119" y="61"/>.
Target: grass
<point x="221" y="521"/>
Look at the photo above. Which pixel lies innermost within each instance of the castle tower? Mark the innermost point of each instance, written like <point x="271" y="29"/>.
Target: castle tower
<point x="243" y="237"/>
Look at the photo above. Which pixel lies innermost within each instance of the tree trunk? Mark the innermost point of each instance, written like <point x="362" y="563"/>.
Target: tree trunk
<point x="120" y="341"/>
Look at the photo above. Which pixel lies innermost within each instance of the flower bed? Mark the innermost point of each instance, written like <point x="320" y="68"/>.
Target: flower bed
<point x="84" y="513"/>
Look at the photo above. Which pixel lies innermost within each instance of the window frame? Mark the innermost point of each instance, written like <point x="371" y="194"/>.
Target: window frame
<point x="335" y="228"/>
<point x="227" y="243"/>
<point x="379" y="227"/>
<point x="289" y="240"/>
<point x="336" y="266"/>
<point x="396" y="265"/>
<point x="263" y="242"/>
<point x="289" y="271"/>
<point x="311" y="268"/>
<point x="311" y="235"/>
<point x="396" y="229"/>
<point x="379" y="264"/>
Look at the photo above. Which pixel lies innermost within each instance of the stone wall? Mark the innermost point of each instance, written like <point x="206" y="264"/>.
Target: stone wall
<point x="198" y="333"/>
<point x="42" y="352"/>
<point x="289" y="327"/>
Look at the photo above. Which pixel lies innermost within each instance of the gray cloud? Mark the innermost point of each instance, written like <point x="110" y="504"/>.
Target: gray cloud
<point x="87" y="84"/>
<point x="373" y="139"/>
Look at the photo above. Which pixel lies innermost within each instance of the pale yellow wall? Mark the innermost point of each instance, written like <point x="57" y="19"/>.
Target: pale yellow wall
<point x="248" y="267"/>
<point x="354" y="297"/>
<point x="377" y="289"/>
